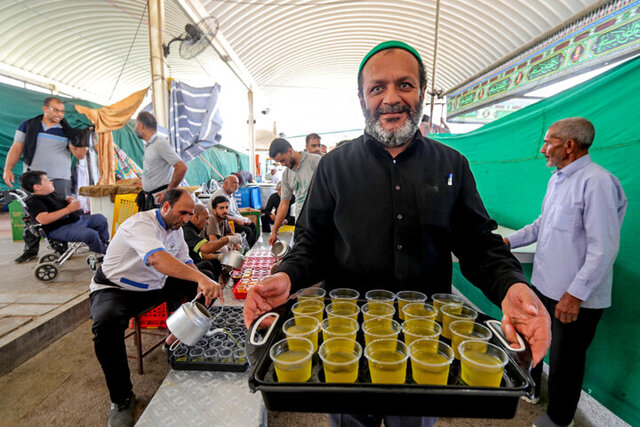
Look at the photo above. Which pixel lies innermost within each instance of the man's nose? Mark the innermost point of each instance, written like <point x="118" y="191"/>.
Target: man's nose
<point x="391" y="95"/>
<point x="543" y="149"/>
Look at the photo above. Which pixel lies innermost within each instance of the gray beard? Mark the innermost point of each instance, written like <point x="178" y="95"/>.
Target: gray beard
<point x="397" y="137"/>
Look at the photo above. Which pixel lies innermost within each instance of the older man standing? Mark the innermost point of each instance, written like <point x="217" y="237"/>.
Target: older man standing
<point x="162" y="168"/>
<point x="387" y="209"/>
<point x="242" y="224"/>
<point x="300" y="167"/>
<point x="578" y="235"/>
<point x="47" y="142"/>
<point x="312" y="144"/>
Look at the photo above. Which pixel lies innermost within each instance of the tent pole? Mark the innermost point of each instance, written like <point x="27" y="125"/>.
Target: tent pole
<point x="435" y="60"/>
<point x="252" y="134"/>
<point x="156" y="55"/>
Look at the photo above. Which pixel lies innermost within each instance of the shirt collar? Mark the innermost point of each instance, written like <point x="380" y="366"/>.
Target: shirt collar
<point x="574" y="166"/>
<point x="160" y="220"/>
<point x="152" y="139"/>
<point x="303" y="157"/>
<point x="375" y="145"/>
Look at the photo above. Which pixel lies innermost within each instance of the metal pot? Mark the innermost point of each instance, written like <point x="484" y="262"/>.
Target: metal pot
<point x="279" y="248"/>
<point x="232" y="259"/>
<point x="190" y="322"/>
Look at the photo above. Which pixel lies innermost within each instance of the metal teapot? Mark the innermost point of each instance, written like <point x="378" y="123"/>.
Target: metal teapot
<point x="190" y="322"/>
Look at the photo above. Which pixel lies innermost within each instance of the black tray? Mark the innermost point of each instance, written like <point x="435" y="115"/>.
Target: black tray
<point x="363" y="397"/>
<point x="234" y="334"/>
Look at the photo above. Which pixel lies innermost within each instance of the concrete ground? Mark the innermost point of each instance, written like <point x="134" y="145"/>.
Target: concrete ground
<point x="62" y="383"/>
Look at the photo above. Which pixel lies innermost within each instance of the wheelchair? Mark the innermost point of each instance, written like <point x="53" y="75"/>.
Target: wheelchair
<point x="49" y="265"/>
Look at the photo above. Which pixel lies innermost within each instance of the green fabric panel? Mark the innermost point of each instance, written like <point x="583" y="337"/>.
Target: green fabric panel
<point x="18" y="104"/>
<point x="512" y="178"/>
<point x="224" y="160"/>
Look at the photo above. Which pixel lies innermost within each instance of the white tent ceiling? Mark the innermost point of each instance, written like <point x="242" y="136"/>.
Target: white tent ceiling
<point x="87" y="48"/>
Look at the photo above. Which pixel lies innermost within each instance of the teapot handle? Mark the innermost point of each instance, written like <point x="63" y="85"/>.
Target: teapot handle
<point x="196" y="298"/>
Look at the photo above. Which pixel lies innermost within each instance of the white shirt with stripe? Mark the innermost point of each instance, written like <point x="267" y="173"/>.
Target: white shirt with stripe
<point x="140" y="236"/>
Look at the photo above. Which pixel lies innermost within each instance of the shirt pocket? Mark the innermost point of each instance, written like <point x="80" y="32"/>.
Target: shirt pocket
<point x="567" y="218"/>
<point x="434" y="206"/>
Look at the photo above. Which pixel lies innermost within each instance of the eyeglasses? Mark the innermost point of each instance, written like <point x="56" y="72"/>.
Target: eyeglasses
<point x="56" y="110"/>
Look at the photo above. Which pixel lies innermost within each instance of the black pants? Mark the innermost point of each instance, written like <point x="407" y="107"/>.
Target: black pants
<point x="213" y="266"/>
<point x="249" y="231"/>
<point x="110" y="311"/>
<point x="266" y="221"/>
<point x="569" y="343"/>
<point x="31" y="241"/>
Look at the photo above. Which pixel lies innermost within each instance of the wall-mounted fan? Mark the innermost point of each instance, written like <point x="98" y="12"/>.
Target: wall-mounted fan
<point x="195" y="38"/>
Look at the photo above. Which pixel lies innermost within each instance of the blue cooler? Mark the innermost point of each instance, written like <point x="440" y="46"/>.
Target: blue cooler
<point x="248" y="197"/>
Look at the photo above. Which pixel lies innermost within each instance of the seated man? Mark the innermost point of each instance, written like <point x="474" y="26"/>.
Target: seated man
<point x="242" y="224"/>
<point x="202" y="250"/>
<point x="268" y="215"/>
<point x="62" y="219"/>
<point x="219" y="228"/>
<point x="147" y="263"/>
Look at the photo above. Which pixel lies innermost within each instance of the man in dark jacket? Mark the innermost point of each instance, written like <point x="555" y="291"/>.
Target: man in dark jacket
<point x="47" y="142"/>
<point x="268" y="216"/>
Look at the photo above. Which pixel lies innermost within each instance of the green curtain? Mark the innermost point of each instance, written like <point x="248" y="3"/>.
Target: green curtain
<point x="512" y="177"/>
<point x="225" y="161"/>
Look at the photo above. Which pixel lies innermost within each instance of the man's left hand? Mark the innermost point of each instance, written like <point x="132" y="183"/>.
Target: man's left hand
<point x="567" y="308"/>
<point x="523" y="312"/>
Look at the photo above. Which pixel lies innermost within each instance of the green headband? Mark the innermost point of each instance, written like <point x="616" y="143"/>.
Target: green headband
<point x="390" y="44"/>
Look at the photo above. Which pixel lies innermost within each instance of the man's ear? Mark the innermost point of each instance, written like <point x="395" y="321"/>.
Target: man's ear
<point x="572" y="145"/>
<point x="361" y="99"/>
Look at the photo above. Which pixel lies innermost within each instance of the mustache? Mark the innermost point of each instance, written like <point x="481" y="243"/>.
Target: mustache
<point x="392" y="109"/>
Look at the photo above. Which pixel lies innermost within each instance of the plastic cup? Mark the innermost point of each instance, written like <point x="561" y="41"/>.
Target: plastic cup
<point x="482" y="364"/>
<point x="311" y="308"/>
<point x="340" y="358"/>
<point x="463" y="330"/>
<point x="443" y="299"/>
<point x="343" y="309"/>
<point x="380" y="328"/>
<point x="292" y="359"/>
<point x="415" y="329"/>
<point x="430" y="361"/>
<point x="311" y="294"/>
<point x="339" y="327"/>
<point x="225" y="355"/>
<point x="453" y="312"/>
<point x="240" y="355"/>
<point x="344" y="294"/>
<point x="181" y="354"/>
<point x="387" y="361"/>
<point x="374" y="309"/>
<point x="408" y="297"/>
<point x="211" y="355"/>
<point x="196" y="354"/>
<point x="302" y="327"/>
<point x="377" y="296"/>
<point x="416" y="310"/>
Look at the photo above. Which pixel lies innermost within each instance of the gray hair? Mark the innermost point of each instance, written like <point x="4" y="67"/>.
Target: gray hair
<point x="579" y="129"/>
<point x="147" y="120"/>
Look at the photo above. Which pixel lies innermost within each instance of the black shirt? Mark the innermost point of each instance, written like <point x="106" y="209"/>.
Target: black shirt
<point x="371" y="221"/>
<point x="50" y="203"/>
<point x="274" y="202"/>
<point x="194" y="240"/>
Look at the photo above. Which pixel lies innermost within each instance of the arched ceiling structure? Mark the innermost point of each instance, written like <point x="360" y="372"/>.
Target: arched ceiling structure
<point x="98" y="49"/>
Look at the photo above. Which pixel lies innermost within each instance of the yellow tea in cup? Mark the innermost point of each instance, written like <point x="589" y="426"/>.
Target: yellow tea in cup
<point x="302" y="327"/>
<point x="430" y="361"/>
<point x="482" y="364"/>
<point x="417" y="310"/>
<point x="311" y="308"/>
<point x="443" y="299"/>
<point x="376" y="309"/>
<point x="340" y="358"/>
<point x="344" y="294"/>
<point x="343" y="309"/>
<point x="463" y="330"/>
<point x="453" y="312"/>
<point x="408" y="297"/>
<point x="379" y="296"/>
<point x="339" y="327"/>
<point x="380" y="328"/>
<point x="313" y="293"/>
<point x="387" y="359"/>
<point x="292" y="365"/>
<point x="414" y="329"/>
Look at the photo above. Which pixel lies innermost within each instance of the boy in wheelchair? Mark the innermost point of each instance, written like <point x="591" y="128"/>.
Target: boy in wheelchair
<point x="61" y="219"/>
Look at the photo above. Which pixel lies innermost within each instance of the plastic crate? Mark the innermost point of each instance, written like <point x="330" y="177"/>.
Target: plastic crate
<point x="124" y="207"/>
<point x="153" y="319"/>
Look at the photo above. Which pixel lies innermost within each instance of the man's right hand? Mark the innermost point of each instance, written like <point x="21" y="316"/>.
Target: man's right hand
<point x="8" y="177"/>
<point x="235" y="239"/>
<point x="210" y="289"/>
<point x="74" y="205"/>
<point x="271" y="292"/>
<point x="273" y="237"/>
